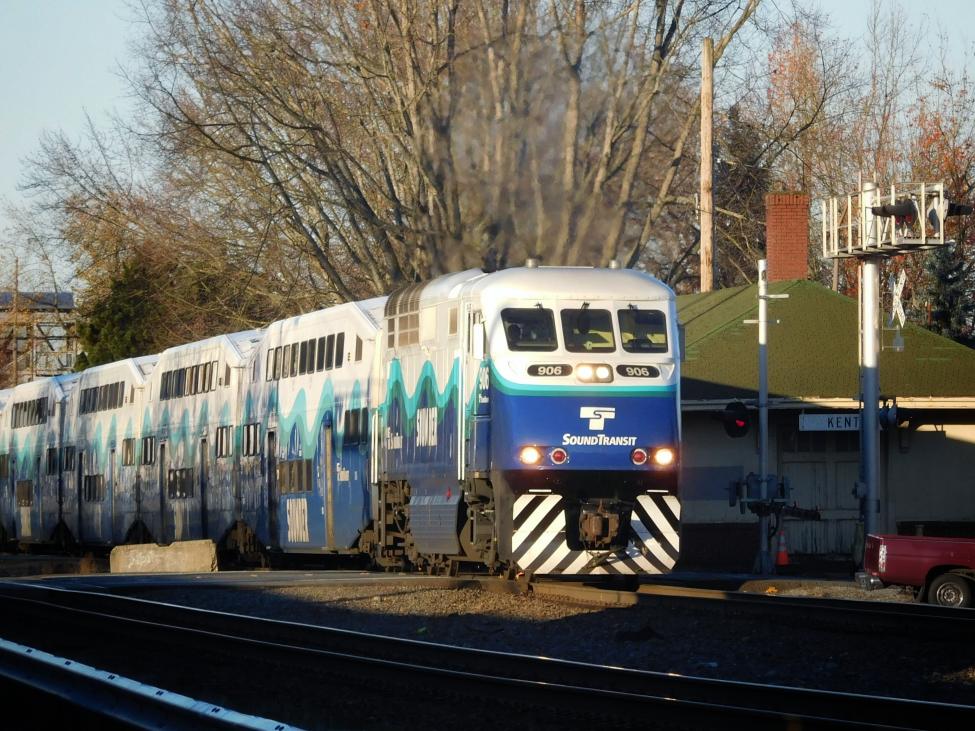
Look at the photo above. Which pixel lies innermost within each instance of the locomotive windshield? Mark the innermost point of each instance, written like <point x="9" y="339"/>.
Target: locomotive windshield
<point x="529" y="328"/>
<point x="643" y="331"/>
<point x="585" y="330"/>
<point x="588" y="331"/>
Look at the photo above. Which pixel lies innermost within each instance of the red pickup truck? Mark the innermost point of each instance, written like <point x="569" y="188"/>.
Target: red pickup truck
<point x="942" y="569"/>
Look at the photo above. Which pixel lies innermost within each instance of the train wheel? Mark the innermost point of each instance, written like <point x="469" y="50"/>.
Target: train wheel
<point x="62" y="539"/>
<point x="395" y="550"/>
<point x="239" y="546"/>
<point x="950" y="590"/>
<point x="138" y="533"/>
<point x="439" y="565"/>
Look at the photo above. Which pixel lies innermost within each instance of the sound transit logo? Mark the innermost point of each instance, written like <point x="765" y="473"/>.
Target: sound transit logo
<point x="597" y="416"/>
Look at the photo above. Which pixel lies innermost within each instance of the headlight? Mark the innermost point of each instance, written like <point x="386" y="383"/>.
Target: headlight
<point x="664" y="457"/>
<point x="594" y="372"/>
<point x="530" y="455"/>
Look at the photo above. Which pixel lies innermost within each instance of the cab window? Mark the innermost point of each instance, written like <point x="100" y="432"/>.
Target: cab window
<point x="643" y="331"/>
<point x="529" y="328"/>
<point x="588" y="331"/>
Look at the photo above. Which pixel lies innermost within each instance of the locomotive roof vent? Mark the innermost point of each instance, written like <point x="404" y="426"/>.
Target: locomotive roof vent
<point x="614" y="264"/>
<point x="531" y="262"/>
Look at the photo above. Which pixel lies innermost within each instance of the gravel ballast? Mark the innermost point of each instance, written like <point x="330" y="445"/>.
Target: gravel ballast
<point x="710" y="639"/>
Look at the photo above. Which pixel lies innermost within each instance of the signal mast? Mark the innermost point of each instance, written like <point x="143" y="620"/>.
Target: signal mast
<point x="870" y="226"/>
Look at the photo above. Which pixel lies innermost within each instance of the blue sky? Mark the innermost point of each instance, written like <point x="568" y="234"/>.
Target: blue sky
<point x="60" y="59"/>
<point x="953" y="18"/>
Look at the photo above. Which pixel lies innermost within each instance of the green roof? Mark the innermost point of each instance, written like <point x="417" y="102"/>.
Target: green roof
<point x="812" y="350"/>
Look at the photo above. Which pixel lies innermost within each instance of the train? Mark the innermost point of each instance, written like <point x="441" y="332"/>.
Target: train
<point x="521" y="421"/>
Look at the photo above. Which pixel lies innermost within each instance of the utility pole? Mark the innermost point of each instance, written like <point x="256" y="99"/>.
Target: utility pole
<point x="16" y="314"/>
<point x="707" y="168"/>
<point x="30" y="348"/>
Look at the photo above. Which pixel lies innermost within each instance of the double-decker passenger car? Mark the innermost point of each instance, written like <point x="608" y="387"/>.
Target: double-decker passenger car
<point x="190" y="418"/>
<point x="306" y="416"/>
<point x="99" y="424"/>
<point x="522" y="420"/>
<point x="29" y="459"/>
<point x="6" y="496"/>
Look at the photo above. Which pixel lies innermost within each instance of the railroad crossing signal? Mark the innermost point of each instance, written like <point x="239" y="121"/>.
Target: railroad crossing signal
<point x="735" y="419"/>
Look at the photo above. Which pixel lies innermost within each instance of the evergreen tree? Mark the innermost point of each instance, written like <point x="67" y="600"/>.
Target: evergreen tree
<point x="952" y="309"/>
<point x="741" y="180"/>
<point x="117" y="326"/>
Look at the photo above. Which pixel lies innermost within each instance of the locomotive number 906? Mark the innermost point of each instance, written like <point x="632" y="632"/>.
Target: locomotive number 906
<point x="549" y="370"/>
<point x="634" y="371"/>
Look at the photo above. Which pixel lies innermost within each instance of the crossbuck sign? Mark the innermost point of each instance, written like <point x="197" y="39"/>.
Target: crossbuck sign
<point x="896" y="296"/>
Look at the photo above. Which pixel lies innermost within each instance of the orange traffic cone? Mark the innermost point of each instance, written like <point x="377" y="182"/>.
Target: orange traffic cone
<point x="782" y="555"/>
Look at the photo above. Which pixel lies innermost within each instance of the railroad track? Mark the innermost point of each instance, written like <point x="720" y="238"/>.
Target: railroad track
<point x="53" y="691"/>
<point x="875" y="616"/>
<point x="413" y="683"/>
<point x="895" y="618"/>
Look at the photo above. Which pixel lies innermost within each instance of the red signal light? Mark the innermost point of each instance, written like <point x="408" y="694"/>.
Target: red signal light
<point x="559" y="456"/>
<point x="736" y="420"/>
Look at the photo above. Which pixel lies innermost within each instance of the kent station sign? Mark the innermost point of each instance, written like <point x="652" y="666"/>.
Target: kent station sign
<point x="829" y="422"/>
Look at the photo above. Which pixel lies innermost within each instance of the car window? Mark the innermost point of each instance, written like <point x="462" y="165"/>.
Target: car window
<point x="588" y="331"/>
<point x="529" y="328"/>
<point x="643" y="331"/>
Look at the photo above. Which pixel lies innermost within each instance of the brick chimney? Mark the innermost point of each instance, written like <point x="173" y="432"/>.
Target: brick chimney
<point x="787" y="235"/>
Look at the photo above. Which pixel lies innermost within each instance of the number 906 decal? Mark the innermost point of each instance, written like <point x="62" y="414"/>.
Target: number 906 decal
<point x="549" y="370"/>
<point x="637" y="371"/>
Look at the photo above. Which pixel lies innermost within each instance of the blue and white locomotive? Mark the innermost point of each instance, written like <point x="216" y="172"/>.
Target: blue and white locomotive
<point x="522" y="420"/>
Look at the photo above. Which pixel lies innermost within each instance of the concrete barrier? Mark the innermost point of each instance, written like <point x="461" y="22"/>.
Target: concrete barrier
<point x="148" y="558"/>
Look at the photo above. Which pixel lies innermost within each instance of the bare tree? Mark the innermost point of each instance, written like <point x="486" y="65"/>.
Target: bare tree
<point x="404" y="139"/>
<point x="290" y="155"/>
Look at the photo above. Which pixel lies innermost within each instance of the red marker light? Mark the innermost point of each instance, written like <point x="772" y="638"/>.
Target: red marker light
<point x="559" y="456"/>
<point x="638" y="456"/>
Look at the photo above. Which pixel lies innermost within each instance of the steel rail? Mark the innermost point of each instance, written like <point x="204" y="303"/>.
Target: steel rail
<point x="904" y="617"/>
<point x="892" y="618"/>
<point x="597" y="703"/>
<point x="954" y="615"/>
<point x="60" y="687"/>
<point x="910" y="616"/>
<point x="575" y="684"/>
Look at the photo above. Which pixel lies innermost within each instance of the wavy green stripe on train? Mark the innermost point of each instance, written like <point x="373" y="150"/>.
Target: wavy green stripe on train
<point x="396" y="390"/>
<point x="297" y="414"/>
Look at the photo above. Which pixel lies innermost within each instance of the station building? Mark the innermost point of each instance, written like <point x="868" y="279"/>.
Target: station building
<point x="927" y="459"/>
